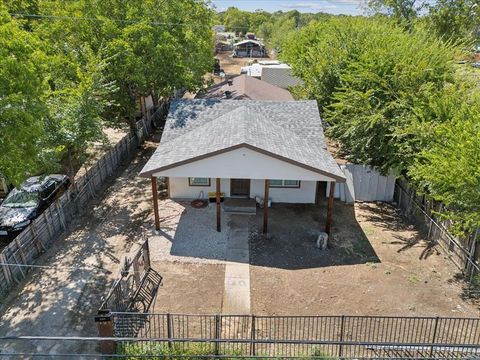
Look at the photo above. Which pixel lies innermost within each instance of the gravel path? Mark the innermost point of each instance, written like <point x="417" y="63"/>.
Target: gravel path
<point x="189" y="235"/>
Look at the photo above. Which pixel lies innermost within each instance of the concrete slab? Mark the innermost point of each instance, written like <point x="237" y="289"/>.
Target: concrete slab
<point x="236" y="296"/>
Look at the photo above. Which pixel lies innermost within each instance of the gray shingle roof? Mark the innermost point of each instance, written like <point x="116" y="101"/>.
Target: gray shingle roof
<point x="244" y="87"/>
<point x="290" y="130"/>
<point x="280" y="77"/>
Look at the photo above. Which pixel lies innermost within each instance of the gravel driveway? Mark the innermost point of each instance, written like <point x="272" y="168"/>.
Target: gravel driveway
<point x="63" y="301"/>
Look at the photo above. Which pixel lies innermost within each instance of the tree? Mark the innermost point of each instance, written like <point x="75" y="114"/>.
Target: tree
<point x="448" y="168"/>
<point x="236" y="20"/>
<point x="370" y="78"/>
<point x="456" y="20"/>
<point x="23" y="92"/>
<point x="152" y="48"/>
<point x="402" y="11"/>
<point x="75" y="110"/>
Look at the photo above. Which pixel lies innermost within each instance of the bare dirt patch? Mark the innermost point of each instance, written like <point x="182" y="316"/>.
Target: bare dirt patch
<point x="190" y="288"/>
<point x="231" y="65"/>
<point x="377" y="265"/>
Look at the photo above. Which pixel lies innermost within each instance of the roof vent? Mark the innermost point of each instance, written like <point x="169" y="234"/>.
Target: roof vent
<point x="228" y="94"/>
<point x="230" y="82"/>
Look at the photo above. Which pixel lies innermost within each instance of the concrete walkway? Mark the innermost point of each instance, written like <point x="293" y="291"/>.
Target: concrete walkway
<point x="236" y="296"/>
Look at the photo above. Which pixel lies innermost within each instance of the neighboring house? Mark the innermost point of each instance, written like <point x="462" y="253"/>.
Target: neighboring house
<point x="249" y="48"/>
<point x="272" y="72"/>
<point x="244" y="87"/>
<point x="251" y="146"/>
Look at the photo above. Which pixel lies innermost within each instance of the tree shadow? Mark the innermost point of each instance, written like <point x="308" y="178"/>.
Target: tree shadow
<point x="293" y="231"/>
<point x="407" y="235"/>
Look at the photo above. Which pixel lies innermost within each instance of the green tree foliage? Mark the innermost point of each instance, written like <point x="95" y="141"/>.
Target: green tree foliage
<point x="403" y="12"/>
<point x="153" y="48"/>
<point x="23" y="92"/>
<point x="370" y="77"/>
<point x="96" y="59"/>
<point x="449" y="167"/>
<point x="456" y="20"/>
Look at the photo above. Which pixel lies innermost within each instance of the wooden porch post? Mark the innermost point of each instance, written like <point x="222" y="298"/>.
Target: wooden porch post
<point x="328" y="224"/>
<point x="265" y="207"/>
<point x="219" y="222"/>
<point x="155" y="202"/>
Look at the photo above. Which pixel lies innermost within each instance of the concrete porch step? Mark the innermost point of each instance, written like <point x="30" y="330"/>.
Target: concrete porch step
<point x="244" y="206"/>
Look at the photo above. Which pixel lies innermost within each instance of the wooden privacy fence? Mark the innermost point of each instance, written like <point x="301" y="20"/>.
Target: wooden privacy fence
<point x="364" y="183"/>
<point x="16" y="258"/>
<point x="290" y="336"/>
<point x="463" y="252"/>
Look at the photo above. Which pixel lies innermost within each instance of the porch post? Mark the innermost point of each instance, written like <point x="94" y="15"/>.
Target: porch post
<point x="155" y="202"/>
<point x="265" y="207"/>
<point x="328" y="224"/>
<point x="219" y="223"/>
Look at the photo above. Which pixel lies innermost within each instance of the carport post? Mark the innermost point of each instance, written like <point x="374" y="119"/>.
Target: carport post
<point x="217" y="195"/>
<point x="155" y="202"/>
<point x="265" y="207"/>
<point x="328" y="224"/>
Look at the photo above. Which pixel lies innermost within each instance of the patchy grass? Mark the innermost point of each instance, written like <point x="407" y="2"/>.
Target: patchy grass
<point x="197" y="351"/>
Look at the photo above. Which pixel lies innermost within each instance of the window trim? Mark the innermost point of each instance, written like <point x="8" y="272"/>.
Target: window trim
<point x="283" y="186"/>
<point x="202" y="185"/>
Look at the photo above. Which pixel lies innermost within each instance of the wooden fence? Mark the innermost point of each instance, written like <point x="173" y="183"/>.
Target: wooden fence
<point x="364" y="183"/>
<point x="464" y="252"/>
<point x="55" y="220"/>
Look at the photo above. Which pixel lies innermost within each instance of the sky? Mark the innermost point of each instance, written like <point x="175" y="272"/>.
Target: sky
<point x="349" y="7"/>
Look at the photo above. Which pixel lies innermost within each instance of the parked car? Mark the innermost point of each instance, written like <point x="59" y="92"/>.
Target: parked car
<point x="23" y="205"/>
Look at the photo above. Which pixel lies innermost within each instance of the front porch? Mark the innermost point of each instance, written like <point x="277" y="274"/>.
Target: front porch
<point x="240" y="206"/>
<point x="246" y="201"/>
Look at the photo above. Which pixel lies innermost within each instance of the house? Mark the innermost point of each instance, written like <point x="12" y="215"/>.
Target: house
<point x="272" y="72"/>
<point x="244" y="87"/>
<point x="245" y="149"/>
<point x="249" y="48"/>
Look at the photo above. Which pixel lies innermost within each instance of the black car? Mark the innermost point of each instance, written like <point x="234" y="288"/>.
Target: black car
<point x="23" y="205"/>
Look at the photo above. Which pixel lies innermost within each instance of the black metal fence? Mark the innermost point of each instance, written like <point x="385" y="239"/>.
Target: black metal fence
<point x="298" y="336"/>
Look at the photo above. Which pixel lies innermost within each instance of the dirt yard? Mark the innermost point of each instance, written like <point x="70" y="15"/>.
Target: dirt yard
<point x="231" y="65"/>
<point x="377" y="265"/>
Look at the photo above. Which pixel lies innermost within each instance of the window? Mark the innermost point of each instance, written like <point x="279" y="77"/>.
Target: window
<point x="197" y="181"/>
<point x="284" y="183"/>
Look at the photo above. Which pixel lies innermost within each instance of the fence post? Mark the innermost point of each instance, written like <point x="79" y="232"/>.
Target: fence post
<point x="146" y="255"/>
<point x="252" y="337"/>
<point x="104" y="322"/>
<point x="217" y="333"/>
<point x="342" y="325"/>
<point x="6" y="270"/>
<point x="169" y="330"/>
<point x="434" y="338"/>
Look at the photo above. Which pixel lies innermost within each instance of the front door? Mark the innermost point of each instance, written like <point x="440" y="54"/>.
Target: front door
<point x="240" y="187"/>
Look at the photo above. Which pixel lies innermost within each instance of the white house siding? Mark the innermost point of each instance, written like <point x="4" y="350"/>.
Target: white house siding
<point x="303" y="195"/>
<point x="179" y="189"/>
<point x="243" y="163"/>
